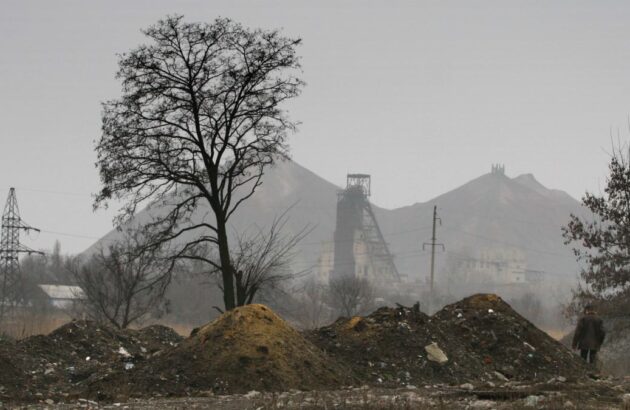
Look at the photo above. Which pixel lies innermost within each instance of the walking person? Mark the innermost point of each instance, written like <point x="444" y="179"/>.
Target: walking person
<point x="589" y="334"/>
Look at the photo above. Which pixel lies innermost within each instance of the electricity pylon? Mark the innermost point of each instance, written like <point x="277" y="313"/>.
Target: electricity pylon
<point x="11" y="284"/>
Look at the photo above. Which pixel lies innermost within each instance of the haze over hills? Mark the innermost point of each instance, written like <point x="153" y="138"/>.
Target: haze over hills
<point x="492" y="211"/>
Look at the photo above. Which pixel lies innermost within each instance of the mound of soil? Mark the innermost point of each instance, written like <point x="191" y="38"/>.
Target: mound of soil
<point x="494" y="334"/>
<point x="388" y="348"/>
<point x="483" y="338"/>
<point x="60" y="364"/>
<point x="251" y="348"/>
<point x="12" y="379"/>
<point x="248" y="348"/>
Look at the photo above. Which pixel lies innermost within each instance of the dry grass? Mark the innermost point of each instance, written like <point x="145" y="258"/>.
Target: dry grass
<point x="27" y="323"/>
<point x="23" y="324"/>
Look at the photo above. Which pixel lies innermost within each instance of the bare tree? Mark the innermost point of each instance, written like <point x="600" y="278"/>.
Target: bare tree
<point x="123" y="283"/>
<point x="351" y="295"/>
<point x="314" y="310"/>
<point x="262" y="258"/>
<point x="198" y="122"/>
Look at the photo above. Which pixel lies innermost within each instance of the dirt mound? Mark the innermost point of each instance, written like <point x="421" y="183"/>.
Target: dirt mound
<point x="248" y="348"/>
<point x="12" y="379"/>
<point x="480" y="339"/>
<point x="494" y="334"/>
<point x="388" y="348"/>
<point x="59" y="365"/>
<point x="483" y="338"/>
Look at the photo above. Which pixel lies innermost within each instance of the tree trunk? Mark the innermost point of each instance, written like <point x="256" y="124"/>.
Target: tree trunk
<point x="226" y="265"/>
<point x="240" y="289"/>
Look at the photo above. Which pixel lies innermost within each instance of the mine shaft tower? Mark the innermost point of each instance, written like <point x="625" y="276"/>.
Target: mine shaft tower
<point x="11" y="286"/>
<point x="359" y="247"/>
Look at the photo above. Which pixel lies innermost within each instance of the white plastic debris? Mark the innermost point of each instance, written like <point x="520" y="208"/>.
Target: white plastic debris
<point x="500" y="376"/>
<point x="490" y="311"/>
<point x="129" y="366"/>
<point x="435" y="354"/>
<point x="532" y="401"/>
<point x="87" y="359"/>
<point x="123" y="352"/>
<point x="467" y="386"/>
<point x="530" y="347"/>
<point x="252" y="394"/>
<point x="459" y="315"/>
<point x="482" y="404"/>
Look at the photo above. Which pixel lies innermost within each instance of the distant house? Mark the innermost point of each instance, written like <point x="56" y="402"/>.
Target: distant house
<point x="62" y="296"/>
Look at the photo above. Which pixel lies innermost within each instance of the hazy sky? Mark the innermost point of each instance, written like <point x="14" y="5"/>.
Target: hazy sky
<point x="422" y="95"/>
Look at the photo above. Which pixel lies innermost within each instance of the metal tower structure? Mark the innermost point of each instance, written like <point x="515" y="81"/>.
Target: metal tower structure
<point x="11" y="286"/>
<point x="360" y="249"/>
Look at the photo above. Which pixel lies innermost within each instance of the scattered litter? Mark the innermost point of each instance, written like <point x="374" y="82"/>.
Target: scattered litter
<point x="123" y="352"/>
<point x="532" y="401"/>
<point x="252" y="394"/>
<point x="482" y="404"/>
<point x="530" y="347"/>
<point x="391" y="348"/>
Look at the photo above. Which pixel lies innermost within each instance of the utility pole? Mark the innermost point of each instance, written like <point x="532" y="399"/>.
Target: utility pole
<point x="433" y="244"/>
<point x="10" y="248"/>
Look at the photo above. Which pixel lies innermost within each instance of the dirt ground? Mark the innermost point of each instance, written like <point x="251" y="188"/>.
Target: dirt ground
<point x="602" y="394"/>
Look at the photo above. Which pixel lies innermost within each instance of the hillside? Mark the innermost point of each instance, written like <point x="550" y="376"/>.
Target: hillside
<point x="492" y="211"/>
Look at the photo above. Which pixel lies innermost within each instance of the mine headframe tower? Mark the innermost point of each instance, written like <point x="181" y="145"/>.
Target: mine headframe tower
<point x="357" y="228"/>
<point x="11" y="283"/>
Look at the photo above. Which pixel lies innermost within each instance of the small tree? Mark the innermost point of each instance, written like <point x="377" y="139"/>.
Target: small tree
<point x="604" y="242"/>
<point x="123" y="283"/>
<point x="314" y="311"/>
<point x="351" y="295"/>
<point x="199" y="121"/>
<point x="261" y="259"/>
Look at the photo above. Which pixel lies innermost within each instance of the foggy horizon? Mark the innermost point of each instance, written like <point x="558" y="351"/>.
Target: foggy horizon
<point x="423" y="96"/>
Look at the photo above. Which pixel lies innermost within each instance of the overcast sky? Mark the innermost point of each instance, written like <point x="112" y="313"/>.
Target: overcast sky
<point x="422" y="95"/>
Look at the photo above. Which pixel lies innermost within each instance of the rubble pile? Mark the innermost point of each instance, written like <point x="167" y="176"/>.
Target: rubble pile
<point x="62" y="363"/>
<point x="248" y="348"/>
<point x="492" y="333"/>
<point x="388" y="347"/>
<point x="479" y="339"/>
<point x="11" y="378"/>
<point x="475" y="344"/>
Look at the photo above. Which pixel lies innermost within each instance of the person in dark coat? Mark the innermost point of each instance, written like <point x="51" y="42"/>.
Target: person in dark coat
<point x="589" y="334"/>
